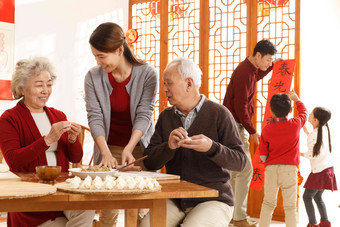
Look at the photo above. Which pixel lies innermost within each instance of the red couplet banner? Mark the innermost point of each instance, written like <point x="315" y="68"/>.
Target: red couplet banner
<point x="280" y="82"/>
<point x="7" y="11"/>
<point x="6" y="15"/>
<point x="5" y="90"/>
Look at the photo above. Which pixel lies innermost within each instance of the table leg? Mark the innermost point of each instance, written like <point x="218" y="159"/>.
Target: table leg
<point x="131" y="217"/>
<point x="158" y="213"/>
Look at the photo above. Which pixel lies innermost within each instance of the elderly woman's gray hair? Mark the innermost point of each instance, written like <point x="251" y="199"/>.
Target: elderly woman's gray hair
<point x="28" y="68"/>
<point x="188" y="69"/>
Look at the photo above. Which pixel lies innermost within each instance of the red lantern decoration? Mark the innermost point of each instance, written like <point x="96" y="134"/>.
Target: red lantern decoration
<point x="177" y="10"/>
<point x="264" y="6"/>
<point x="155" y="8"/>
<point x="276" y="2"/>
<point x="272" y="3"/>
<point x="131" y="36"/>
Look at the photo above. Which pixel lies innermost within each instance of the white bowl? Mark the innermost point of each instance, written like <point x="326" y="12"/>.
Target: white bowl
<point x="83" y="174"/>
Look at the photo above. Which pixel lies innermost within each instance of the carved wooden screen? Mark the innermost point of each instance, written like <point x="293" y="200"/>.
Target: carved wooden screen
<point x="227" y="47"/>
<point x="217" y="35"/>
<point x="183" y="29"/>
<point x="148" y="44"/>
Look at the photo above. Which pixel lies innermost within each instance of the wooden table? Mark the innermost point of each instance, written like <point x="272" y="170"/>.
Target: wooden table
<point x="155" y="201"/>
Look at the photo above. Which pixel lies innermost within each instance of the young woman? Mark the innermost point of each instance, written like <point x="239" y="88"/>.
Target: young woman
<point x="322" y="175"/>
<point x="120" y="94"/>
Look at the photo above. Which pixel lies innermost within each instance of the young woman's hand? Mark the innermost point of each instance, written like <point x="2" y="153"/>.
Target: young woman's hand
<point x="108" y="161"/>
<point x="127" y="156"/>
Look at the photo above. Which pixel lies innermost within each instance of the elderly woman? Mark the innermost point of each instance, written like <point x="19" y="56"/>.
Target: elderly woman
<point x="33" y="134"/>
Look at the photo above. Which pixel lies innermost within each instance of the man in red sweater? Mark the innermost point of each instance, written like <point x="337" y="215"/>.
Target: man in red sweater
<point x="279" y="149"/>
<point x="239" y="99"/>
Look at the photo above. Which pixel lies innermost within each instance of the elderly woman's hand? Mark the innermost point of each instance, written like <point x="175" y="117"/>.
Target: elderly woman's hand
<point x="73" y="132"/>
<point x="57" y="129"/>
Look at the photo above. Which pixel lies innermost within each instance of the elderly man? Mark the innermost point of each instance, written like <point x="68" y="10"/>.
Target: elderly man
<point x="198" y="140"/>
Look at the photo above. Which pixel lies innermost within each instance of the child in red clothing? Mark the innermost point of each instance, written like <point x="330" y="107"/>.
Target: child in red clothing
<point x="279" y="149"/>
<point x="322" y="175"/>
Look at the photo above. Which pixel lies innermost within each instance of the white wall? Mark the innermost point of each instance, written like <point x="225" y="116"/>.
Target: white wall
<point x="320" y="75"/>
<point x="320" y="78"/>
<point x="60" y="30"/>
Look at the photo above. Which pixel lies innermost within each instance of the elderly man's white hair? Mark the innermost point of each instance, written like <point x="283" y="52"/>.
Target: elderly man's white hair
<point x="187" y="69"/>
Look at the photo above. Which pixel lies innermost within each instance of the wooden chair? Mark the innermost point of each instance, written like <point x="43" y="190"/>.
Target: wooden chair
<point x="81" y="138"/>
<point x="82" y="134"/>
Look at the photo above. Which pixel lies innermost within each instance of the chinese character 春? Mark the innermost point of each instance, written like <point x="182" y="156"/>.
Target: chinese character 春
<point x="257" y="175"/>
<point x="284" y="69"/>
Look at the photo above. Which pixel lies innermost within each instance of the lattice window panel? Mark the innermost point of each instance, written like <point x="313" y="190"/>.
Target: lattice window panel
<point x="227" y="43"/>
<point x="276" y="23"/>
<point x="227" y="47"/>
<point x="183" y="30"/>
<point x="148" y="43"/>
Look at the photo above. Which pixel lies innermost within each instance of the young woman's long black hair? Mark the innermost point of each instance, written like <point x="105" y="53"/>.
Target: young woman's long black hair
<point x="323" y="115"/>
<point x="108" y="37"/>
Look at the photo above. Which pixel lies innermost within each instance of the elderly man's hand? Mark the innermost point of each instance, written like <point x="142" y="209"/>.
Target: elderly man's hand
<point x="176" y="136"/>
<point x="199" y="143"/>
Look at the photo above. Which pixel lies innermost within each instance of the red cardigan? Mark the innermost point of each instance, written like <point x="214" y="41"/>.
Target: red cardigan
<point x="24" y="148"/>
<point x="279" y="140"/>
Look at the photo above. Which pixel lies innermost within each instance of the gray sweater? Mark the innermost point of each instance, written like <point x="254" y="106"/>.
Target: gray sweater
<point x="142" y="89"/>
<point x="210" y="169"/>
